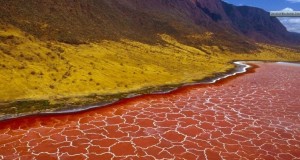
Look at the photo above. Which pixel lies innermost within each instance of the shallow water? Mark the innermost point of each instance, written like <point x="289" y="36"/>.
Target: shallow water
<point x="256" y="115"/>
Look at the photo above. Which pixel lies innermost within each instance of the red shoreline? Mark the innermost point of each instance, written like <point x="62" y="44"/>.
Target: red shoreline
<point x="245" y="116"/>
<point x="125" y="100"/>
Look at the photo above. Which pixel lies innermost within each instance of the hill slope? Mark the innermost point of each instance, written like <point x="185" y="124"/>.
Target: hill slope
<point x="60" y="53"/>
<point x="257" y="24"/>
<point x="86" y="21"/>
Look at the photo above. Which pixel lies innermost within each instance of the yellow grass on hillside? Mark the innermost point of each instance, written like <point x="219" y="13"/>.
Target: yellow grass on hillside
<point x="31" y="69"/>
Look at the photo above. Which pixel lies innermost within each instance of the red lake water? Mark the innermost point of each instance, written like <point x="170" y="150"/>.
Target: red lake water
<point x="250" y="116"/>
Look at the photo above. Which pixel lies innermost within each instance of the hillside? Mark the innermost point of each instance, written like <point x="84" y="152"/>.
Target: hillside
<point x="257" y="24"/>
<point x="77" y="22"/>
<point x="62" y="53"/>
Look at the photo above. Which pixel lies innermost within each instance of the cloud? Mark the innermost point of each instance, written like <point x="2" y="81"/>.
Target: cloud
<point x="294" y="1"/>
<point x="287" y="9"/>
<point x="292" y="24"/>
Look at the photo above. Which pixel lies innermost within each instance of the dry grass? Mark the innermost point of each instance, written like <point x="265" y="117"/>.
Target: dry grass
<point x="31" y="69"/>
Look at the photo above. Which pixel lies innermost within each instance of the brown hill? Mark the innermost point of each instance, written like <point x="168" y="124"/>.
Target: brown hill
<point x="257" y="24"/>
<point x="62" y="54"/>
<point x="84" y="21"/>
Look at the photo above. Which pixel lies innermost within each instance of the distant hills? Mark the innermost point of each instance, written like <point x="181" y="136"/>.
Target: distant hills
<point x="84" y="21"/>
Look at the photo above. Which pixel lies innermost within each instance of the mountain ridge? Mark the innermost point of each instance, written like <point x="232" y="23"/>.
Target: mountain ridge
<point x="63" y="54"/>
<point x="77" y="22"/>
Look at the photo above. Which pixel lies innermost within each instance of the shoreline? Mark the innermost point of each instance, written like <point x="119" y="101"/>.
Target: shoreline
<point x="241" y="67"/>
<point x="229" y="112"/>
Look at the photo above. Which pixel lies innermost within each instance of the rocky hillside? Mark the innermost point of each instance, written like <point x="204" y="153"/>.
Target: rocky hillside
<point x="63" y="54"/>
<point x="83" y="21"/>
<point x="257" y="24"/>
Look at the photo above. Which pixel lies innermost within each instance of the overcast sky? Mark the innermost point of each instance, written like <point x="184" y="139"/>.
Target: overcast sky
<point x="292" y="24"/>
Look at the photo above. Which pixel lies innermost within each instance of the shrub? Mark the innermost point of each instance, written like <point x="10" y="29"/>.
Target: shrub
<point x="51" y="86"/>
